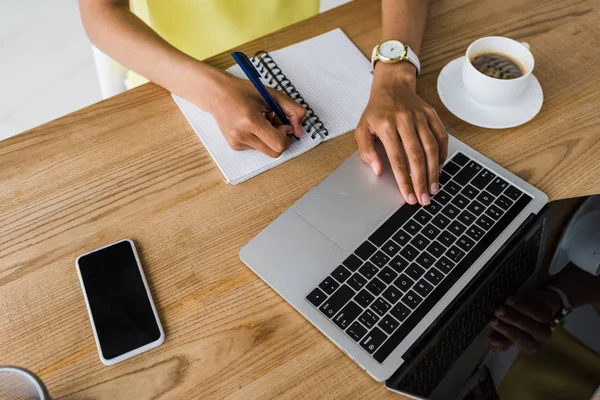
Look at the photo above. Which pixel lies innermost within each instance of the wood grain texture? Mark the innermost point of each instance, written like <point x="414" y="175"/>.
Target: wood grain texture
<point x="132" y="167"/>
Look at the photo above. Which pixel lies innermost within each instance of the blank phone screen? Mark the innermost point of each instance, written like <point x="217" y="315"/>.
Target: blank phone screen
<point x="118" y="301"/>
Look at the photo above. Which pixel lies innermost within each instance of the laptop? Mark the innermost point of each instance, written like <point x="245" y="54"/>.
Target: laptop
<point x="405" y="291"/>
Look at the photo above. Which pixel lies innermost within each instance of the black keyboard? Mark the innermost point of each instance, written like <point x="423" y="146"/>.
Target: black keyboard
<point x="392" y="280"/>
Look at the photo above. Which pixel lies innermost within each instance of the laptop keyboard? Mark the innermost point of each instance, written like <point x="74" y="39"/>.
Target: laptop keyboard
<point x="392" y="280"/>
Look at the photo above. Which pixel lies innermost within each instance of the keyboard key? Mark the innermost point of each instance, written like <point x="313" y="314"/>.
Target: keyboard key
<point x="444" y="265"/>
<point x="392" y="294"/>
<point x="434" y="276"/>
<point x="401" y="237"/>
<point x="425" y="260"/>
<point x="368" y="270"/>
<point x="403" y="282"/>
<point x="376" y="286"/>
<point x="412" y="227"/>
<point x="469" y="171"/>
<point x="400" y="312"/>
<point x="414" y="271"/>
<point x="503" y="202"/>
<point x="344" y="318"/>
<point x="329" y="285"/>
<point x="455" y="254"/>
<point x="452" y="187"/>
<point x="368" y="318"/>
<point x="475" y="232"/>
<point x="379" y="259"/>
<point x="423" y="288"/>
<point x="450" y="211"/>
<point x="380" y="306"/>
<point x="476" y="207"/>
<point x="470" y="192"/>
<point x="387" y="229"/>
<point x="332" y="305"/>
<point x="494" y="212"/>
<point x="485" y="198"/>
<point x="365" y="250"/>
<point x="422" y="217"/>
<point x="391" y="248"/>
<point x="460" y="159"/>
<point x="411" y="299"/>
<point x="442" y="197"/>
<point x="457" y="228"/>
<point x="451" y="168"/>
<point x="356" y="281"/>
<point x="356" y="331"/>
<point x="482" y="179"/>
<point x="341" y="274"/>
<point x="466" y="218"/>
<point x="485" y="222"/>
<point x="433" y="208"/>
<point x="512" y="192"/>
<point x="409" y="252"/>
<point x="398" y="264"/>
<point x="497" y="186"/>
<point x="364" y="298"/>
<point x="388" y="324"/>
<point x="316" y="297"/>
<point x="446" y="238"/>
<point x="420" y="242"/>
<point x="460" y="201"/>
<point x="387" y="275"/>
<point x="444" y="178"/>
<point x="440" y="221"/>
<point x="465" y="243"/>
<point x="436" y="249"/>
<point x="373" y="340"/>
<point x="430" y="232"/>
<point x="352" y="262"/>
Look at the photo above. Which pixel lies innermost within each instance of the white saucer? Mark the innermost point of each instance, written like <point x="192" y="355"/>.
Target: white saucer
<point x="458" y="102"/>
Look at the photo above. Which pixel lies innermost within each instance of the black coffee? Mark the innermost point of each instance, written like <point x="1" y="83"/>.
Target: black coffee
<point x="497" y="66"/>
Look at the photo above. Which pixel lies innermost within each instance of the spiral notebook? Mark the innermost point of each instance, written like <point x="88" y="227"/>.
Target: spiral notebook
<point x="327" y="75"/>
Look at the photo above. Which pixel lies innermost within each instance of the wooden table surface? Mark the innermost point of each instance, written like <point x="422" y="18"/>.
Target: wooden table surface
<point x="132" y="167"/>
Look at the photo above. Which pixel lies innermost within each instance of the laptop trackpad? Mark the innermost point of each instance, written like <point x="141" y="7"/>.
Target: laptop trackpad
<point x="351" y="202"/>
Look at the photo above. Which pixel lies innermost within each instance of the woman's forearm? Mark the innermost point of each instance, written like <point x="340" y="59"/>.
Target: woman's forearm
<point x="115" y="30"/>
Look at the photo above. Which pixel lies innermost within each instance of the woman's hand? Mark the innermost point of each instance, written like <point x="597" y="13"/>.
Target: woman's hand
<point x="408" y="128"/>
<point x="524" y="320"/>
<point x="245" y="119"/>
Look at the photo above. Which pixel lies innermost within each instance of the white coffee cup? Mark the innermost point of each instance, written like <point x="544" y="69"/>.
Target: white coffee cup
<point x="493" y="91"/>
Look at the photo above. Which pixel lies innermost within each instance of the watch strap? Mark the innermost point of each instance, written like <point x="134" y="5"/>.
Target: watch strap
<point x="563" y="297"/>
<point x="565" y="309"/>
<point x="411" y="57"/>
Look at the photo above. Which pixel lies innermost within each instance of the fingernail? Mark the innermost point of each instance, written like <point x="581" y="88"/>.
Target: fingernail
<point x="500" y="311"/>
<point x="425" y="199"/>
<point x="375" y="168"/>
<point x="412" y="199"/>
<point x="494" y="322"/>
<point x="434" y="188"/>
<point x="510" y="301"/>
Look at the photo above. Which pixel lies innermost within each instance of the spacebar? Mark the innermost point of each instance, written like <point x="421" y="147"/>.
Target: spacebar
<point x="430" y="301"/>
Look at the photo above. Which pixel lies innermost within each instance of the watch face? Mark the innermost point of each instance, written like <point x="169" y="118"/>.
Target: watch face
<point x="392" y="50"/>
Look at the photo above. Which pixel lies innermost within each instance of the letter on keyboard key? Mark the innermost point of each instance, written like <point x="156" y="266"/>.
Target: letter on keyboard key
<point x="452" y="187"/>
<point x="460" y="201"/>
<point x="422" y="217"/>
<point x="476" y="207"/>
<point x="409" y="252"/>
<point x="387" y="275"/>
<point x="316" y="297"/>
<point x="400" y="312"/>
<point x="364" y="298"/>
<point x="347" y="315"/>
<point x="403" y="282"/>
<point x="368" y="318"/>
<point x="440" y="221"/>
<point x="425" y="260"/>
<point x="423" y="288"/>
<point x="380" y="306"/>
<point x="455" y="254"/>
<point x="436" y="248"/>
<point x="365" y="250"/>
<point x="373" y="340"/>
<point x="335" y="303"/>
<point x="375" y="286"/>
<point x="401" y="237"/>
<point x="475" y="232"/>
<point x="392" y="294"/>
<point x="388" y="324"/>
<point x="412" y="227"/>
<point x="356" y="281"/>
<point x="470" y="192"/>
<point x="414" y="271"/>
<point x="485" y="198"/>
<point x="434" y="276"/>
<point x="434" y="207"/>
<point x="442" y="197"/>
<point x="466" y="218"/>
<point x="398" y="264"/>
<point x="446" y="238"/>
<point x="411" y="299"/>
<point x="485" y="222"/>
<point x="420" y="242"/>
<point x="391" y="248"/>
<point x="444" y="265"/>
<point x="431" y="232"/>
<point x="457" y="228"/>
<point x="356" y="331"/>
<point x="494" y="212"/>
<point x="368" y="270"/>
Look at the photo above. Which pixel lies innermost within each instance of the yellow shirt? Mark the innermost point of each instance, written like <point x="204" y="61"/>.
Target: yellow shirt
<point x="203" y="28"/>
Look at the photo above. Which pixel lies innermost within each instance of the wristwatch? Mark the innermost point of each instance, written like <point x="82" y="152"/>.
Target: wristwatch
<point x="566" y="308"/>
<point x="394" y="51"/>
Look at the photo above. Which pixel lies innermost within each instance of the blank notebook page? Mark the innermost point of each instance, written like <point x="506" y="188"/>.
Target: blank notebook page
<point x="331" y="75"/>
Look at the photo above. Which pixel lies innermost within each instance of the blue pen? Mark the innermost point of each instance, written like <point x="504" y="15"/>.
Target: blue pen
<point x="254" y="77"/>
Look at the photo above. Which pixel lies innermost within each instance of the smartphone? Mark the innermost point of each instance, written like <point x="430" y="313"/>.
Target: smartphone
<point x="119" y="303"/>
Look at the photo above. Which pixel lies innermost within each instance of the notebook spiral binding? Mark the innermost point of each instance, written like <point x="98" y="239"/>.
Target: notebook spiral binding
<point x="269" y="70"/>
